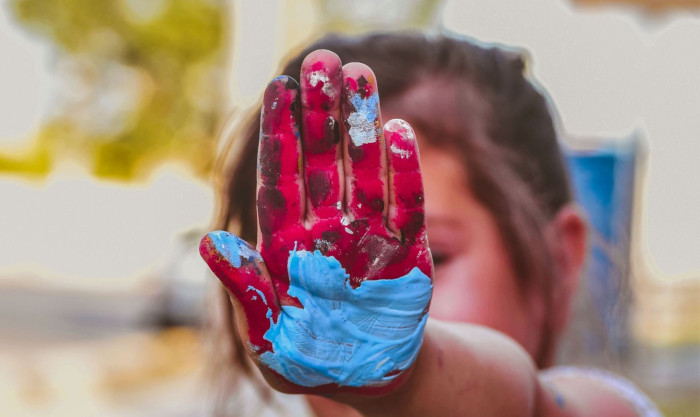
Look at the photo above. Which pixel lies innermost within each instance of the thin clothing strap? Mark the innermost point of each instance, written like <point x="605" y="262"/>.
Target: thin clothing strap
<point x="626" y="389"/>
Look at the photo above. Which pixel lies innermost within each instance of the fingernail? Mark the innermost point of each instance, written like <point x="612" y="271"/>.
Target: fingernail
<point x="224" y="246"/>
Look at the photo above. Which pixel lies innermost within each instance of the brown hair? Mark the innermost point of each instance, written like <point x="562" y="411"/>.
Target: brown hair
<point x="489" y="115"/>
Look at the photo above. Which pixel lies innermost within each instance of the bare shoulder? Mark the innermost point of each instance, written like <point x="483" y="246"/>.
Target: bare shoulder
<point x="583" y="392"/>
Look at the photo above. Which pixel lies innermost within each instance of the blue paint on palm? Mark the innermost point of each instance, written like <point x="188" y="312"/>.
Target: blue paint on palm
<point x="351" y="337"/>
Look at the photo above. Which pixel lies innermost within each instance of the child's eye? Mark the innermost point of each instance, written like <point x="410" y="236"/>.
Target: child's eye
<point x="439" y="258"/>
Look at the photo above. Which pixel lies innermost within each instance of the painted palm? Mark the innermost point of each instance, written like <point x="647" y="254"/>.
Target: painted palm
<point x="338" y="293"/>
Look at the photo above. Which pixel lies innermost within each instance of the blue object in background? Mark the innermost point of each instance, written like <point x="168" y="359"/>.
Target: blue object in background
<point x="604" y="180"/>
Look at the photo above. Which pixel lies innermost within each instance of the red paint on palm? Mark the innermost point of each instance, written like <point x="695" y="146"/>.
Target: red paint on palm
<point x="371" y="251"/>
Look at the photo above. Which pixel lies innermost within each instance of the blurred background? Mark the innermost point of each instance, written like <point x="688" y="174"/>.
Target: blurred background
<point x="111" y="114"/>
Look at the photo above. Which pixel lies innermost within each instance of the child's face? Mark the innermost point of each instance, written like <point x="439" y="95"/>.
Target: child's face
<point x="474" y="281"/>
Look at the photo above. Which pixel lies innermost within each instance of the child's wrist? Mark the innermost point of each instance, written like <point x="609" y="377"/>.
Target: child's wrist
<point x="392" y="398"/>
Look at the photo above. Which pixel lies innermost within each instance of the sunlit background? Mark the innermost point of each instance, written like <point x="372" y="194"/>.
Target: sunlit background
<point x="111" y="114"/>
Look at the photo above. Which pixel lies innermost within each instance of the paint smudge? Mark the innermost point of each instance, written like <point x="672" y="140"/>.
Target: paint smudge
<point x="319" y="187"/>
<point x="233" y="248"/>
<point x="272" y="203"/>
<point x="320" y="76"/>
<point x="363" y="129"/>
<point x="402" y="153"/>
<point x="352" y="337"/>
<point x="270" y="165"/>
<point x="331" y="131"/>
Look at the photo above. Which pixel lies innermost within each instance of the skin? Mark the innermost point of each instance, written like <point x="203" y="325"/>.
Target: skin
<point x="471" y="259"/>
<point x="476" y="357"/>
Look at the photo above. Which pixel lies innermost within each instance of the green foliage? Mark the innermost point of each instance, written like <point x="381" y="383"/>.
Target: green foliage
<point x="143" y="80"/>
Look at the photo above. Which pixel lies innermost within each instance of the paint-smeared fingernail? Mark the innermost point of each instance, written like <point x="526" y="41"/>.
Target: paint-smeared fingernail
<point x="280" y="106"/>
<point x="403" y="149"/>
<point x="222" y="245"/>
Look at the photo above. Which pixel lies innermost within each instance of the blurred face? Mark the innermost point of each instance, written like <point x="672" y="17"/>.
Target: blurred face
<point x="474" y="280"/>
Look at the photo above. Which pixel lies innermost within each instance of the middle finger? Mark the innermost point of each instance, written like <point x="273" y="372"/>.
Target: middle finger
<point x="321" y="79"/>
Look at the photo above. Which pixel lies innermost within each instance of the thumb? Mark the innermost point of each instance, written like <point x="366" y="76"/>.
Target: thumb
<point x="241" y="269"/>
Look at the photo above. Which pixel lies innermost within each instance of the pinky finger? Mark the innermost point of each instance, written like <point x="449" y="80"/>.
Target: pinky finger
<point x="406" y="208"/>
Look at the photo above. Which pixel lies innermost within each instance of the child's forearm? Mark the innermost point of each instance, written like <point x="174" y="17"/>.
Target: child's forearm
<point x="462" y="370"/>
<point x="467" y="370"/>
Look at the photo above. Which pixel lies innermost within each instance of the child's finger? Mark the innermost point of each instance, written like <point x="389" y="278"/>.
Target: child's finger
<point x="406" y="207"/>
<point x="320" y="97"/>
<point x="242" y="271"/>
<point x="280" y="188"/>
<point x="365" y="155"/>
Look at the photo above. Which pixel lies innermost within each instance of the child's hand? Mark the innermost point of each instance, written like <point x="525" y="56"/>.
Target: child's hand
<point x="340" y="213"/>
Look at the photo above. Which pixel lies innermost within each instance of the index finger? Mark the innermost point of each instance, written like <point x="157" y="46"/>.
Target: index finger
<point x="280" y="187"/>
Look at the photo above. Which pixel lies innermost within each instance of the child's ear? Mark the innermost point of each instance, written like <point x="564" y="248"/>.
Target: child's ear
<point x="567" y="239"/>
